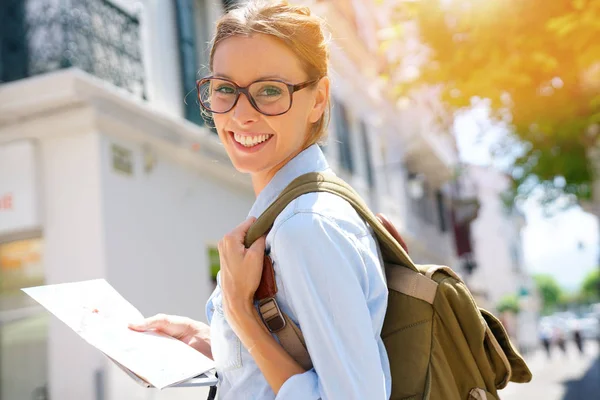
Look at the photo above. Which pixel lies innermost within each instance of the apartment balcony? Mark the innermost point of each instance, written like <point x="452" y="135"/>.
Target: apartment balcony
<point x="96" y="36"/>
<point x="427" y="243"/>
<point x="421" y="136"/>
<point x="430" y="239"/>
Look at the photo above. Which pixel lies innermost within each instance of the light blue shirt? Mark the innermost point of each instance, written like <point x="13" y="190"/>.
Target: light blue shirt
<point x="328" y="272"/>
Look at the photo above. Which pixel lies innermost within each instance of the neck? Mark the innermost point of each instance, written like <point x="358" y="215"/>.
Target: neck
<point x="261" y="179"/>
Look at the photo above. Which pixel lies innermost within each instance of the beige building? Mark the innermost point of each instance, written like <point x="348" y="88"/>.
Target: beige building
<point x="498" y="254"/>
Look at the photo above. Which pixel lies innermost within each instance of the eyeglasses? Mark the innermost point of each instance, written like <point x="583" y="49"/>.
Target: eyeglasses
<point x="268" y="97"/>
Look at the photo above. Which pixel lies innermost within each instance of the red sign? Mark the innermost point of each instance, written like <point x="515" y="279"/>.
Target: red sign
<point x="6" y="202"/>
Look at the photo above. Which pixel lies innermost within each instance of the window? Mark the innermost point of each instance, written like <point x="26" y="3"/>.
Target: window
<point x="203" y="33"/>
<point x="441" y="207"/>
<point x="188" y="56"/>
<point x="515" y="257"/>
<point x="429" y="203"/>
<point x="23" y="323"/>
<point x="424" y="205"/>
<point x="14" y="58"/>
<point x="343" y="136"/>
<point x="421" y="197"/>
<point x="367" y="152"/>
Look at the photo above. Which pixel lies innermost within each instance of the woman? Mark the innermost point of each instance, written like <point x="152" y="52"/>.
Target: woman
<point x="269" y="97"/>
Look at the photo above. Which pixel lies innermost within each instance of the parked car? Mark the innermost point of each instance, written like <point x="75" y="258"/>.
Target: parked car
<point x="589" y="325"/>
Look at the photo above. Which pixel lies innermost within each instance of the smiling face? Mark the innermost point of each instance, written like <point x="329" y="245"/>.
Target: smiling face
<point x="256" y="143"/>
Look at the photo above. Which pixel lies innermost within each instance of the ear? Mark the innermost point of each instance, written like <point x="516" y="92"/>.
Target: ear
<point x="322" y="95"/>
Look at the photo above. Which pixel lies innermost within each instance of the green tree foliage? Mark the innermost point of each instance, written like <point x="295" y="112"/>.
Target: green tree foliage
<point x="537" y="64"/>
<point x="549" y="290"/>
<point x="509" y="303"/>
<point x="590" y="289"/>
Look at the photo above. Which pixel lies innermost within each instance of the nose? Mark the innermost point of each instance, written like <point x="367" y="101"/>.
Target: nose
<point x="243" y="112"/>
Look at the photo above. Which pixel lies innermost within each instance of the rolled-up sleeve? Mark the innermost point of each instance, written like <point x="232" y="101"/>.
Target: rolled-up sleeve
<point x="325" y="284"/>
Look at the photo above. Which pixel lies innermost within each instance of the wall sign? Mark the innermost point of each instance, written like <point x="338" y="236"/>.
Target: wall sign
<point x="122" y="159"/>
<point x="19" y="189"/>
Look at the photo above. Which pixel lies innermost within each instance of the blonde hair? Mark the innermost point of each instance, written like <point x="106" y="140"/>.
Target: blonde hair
<point x="296" y="27"/>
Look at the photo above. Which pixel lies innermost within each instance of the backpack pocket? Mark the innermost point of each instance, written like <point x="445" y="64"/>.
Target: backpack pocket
<point x="481" y="394"/>
<point x="406" y="334"/>
<point x="506" y="360"/>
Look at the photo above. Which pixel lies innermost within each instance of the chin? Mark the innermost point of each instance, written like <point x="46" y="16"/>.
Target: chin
<point x="248" y="166"/>
<point x="245" y="165"/>
<point x="248" y="163"/>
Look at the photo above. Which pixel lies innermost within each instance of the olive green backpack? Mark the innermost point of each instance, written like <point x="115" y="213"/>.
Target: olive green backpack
<point x="439" y="343"/>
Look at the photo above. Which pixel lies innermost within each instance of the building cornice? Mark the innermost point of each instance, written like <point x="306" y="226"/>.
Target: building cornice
<point x="71" y="101"/>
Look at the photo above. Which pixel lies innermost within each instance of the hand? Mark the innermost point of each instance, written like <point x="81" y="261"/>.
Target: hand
<point x="193" y="333"/>
<point x="241" y="270"/>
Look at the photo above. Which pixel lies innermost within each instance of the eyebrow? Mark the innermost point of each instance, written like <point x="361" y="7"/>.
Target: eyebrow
<point x="264" y="77"/>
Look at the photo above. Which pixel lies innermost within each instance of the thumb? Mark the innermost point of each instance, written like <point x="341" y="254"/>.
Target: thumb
<point x="242" y="229"/>
<point x="139" y="327"/>
<point x="157" y="322"/>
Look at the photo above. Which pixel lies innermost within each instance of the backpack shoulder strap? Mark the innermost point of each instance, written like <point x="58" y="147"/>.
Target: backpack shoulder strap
<point x="276" y="321"/>
<point x="392" y="251"/>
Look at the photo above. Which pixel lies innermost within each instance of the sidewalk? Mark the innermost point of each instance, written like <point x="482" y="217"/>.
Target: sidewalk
<point x="570" y="376"/>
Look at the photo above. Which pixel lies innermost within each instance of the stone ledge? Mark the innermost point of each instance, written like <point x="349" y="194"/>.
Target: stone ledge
<point x="71" y="101"/>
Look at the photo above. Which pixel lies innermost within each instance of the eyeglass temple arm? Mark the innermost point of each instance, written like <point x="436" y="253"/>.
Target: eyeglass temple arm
<point x="302" y="85"/>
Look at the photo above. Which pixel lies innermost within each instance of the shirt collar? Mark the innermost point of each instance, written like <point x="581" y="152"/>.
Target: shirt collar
<point x="309" y="160"/>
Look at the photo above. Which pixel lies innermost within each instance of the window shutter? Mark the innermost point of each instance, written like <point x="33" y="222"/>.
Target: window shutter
<point x="14" y="57"/>
<point x="367" y="150"/>
<point x="188" y="58"/>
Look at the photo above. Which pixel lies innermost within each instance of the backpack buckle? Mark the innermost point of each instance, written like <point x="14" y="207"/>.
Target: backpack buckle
<point x="271" y="315"/>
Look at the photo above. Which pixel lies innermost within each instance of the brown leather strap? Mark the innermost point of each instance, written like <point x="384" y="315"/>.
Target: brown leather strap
<point x="268" y="286"/>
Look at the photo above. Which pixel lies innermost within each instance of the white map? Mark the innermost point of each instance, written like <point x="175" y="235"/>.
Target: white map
<point x="100" y="315"/>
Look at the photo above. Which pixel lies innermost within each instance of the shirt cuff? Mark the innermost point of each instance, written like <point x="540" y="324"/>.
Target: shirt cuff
<point x="300" y="387"/>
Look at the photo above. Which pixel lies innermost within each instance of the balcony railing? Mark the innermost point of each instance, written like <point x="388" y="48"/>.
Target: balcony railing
<point x="39" y="36"/>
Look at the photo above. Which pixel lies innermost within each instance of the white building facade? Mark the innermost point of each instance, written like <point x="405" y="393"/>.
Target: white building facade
<point x="110" y="174"/>
<point x="498" y="254"/>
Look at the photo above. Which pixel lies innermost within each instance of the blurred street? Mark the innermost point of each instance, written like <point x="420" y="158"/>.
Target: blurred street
<point x="563" y="377"/>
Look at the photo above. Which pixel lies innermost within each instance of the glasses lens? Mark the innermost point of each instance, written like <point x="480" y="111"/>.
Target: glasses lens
<point x="217" y="95"/>
<point x="271" y="97"/>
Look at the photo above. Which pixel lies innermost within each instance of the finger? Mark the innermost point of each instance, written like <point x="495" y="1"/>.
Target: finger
<point x="257" y="250"/>
<point x="239" y="233"/>
<point x="157" y="322"/>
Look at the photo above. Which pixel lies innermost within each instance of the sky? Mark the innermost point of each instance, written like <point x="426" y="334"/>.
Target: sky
<point x="564" y="245"/>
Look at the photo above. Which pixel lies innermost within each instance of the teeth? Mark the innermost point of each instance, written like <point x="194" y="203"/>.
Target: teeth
<point x="249" y="141"/>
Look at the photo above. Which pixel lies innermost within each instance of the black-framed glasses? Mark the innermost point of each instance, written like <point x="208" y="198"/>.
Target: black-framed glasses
<point x="269" y="96"/>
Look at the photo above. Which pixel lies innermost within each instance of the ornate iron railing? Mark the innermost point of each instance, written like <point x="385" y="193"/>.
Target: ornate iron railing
<point x="38" y="36"/>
